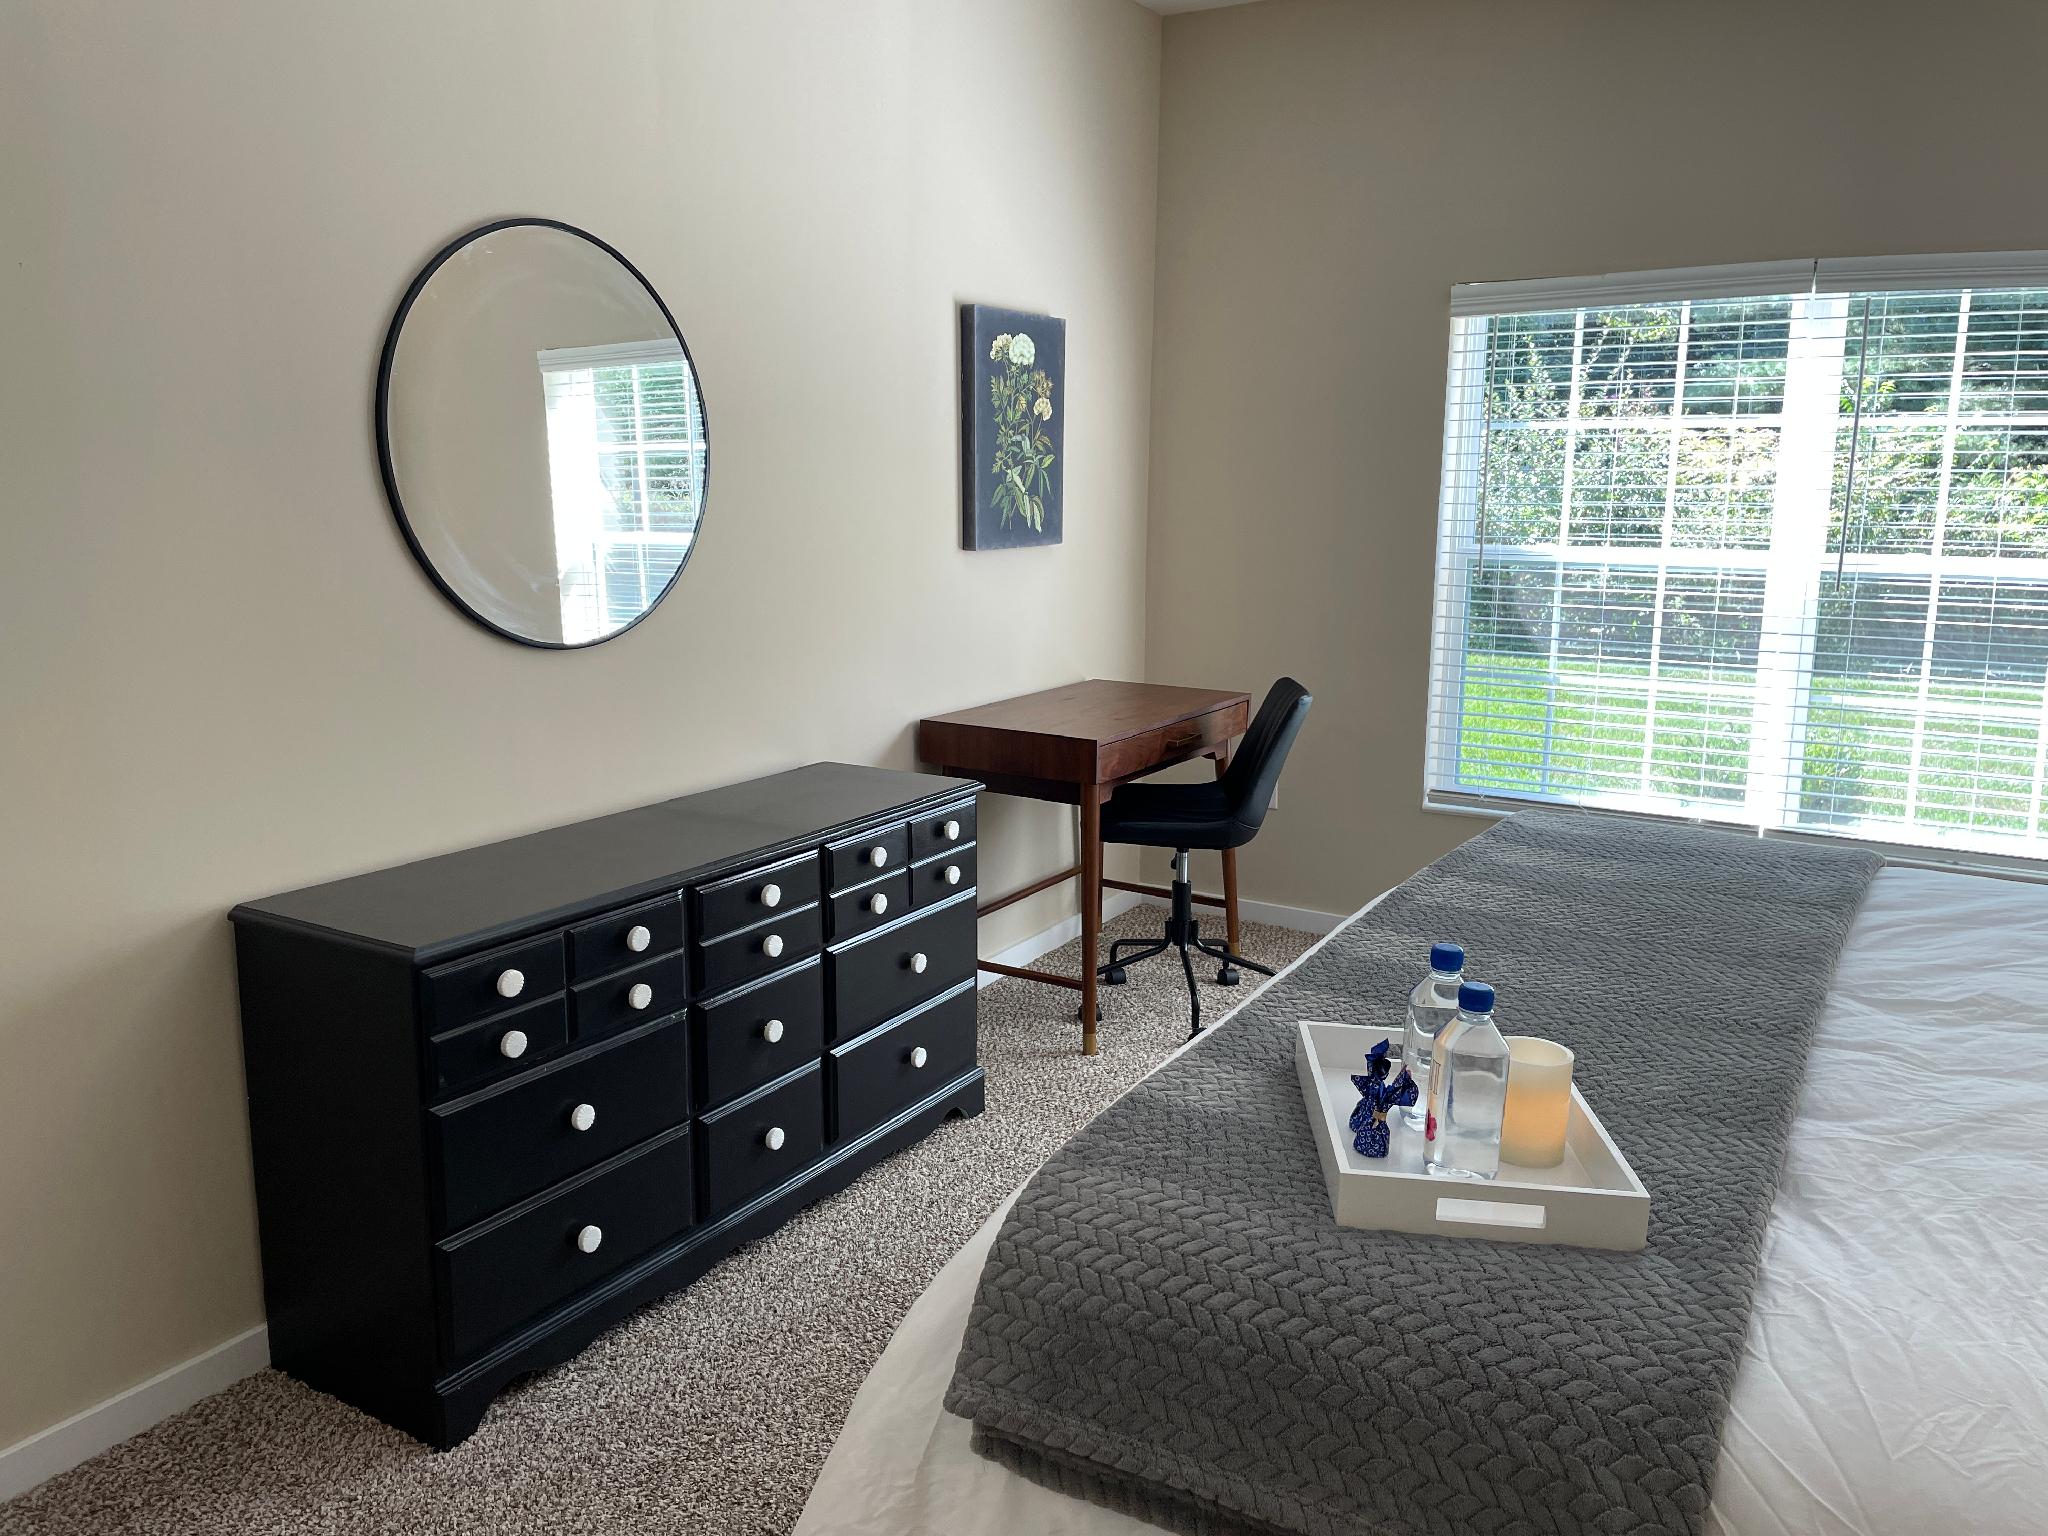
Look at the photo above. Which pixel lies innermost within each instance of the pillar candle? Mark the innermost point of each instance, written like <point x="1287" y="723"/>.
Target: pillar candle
<point x="1539" y="1102"/>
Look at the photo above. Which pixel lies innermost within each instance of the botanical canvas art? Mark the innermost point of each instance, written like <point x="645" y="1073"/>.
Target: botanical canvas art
<point x="1013" y="368"/>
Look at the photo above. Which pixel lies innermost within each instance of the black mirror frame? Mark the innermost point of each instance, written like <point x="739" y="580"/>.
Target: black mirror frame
<point x="382" y="417"/>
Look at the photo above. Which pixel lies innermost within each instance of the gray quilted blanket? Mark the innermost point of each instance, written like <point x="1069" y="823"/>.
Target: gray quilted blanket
<point x="1171" y="1324"/>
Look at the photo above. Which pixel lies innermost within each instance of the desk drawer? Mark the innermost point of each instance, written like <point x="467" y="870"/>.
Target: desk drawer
<point x="1167" y="744"/>
<point x="501" y="1275"/>
<point x="645" y="993"/>
<point x="879" y="976"/>
<point x="741" y="901"/>
<point x="867" y="907"/>
<point x="629" y="936"/>
<point x="463" y="991"/>
<point x="951" y="826"/>
<point x="734" y="1051"/>
<point x="755" y="952"/>
<point x="511" y="1042"/>
<point x="763" y="1140"/>
<point x="852" y="860"/>
<point x="507" y="1142"/>
<point x="892" y="1068"/>
<point x="947" y="875"/>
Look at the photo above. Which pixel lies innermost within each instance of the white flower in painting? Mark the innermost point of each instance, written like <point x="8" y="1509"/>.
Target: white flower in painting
<point x="998" y="347"/>
<point x="1042" y="409"/>
<point x="1023" y="351"/>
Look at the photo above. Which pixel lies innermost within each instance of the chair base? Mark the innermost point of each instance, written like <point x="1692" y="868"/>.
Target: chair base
<point x="1184" y="933"/>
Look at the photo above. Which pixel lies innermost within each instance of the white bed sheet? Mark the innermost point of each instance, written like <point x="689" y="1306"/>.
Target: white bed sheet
<point x="1895" y="1379"/>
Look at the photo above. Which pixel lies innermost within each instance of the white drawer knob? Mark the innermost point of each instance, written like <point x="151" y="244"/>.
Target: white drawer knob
<point x="952" y="831"/>
<point x="587" y="1238"/>
<point x="772" y="945"/>
<point x="952" y="874"/>
<point x="512" y="1043"/>
<point x="918" y="1057"/>
<point x="511" y="983"/>
<point x="918" y="962"/>
<point x="878" y="903"/>
<point x="878" y="855"/>
<point x="772" y="1031"/>
<point x="639" y="995"/>
<point x="638" y="938"/>
<point x="771" y="895"/>
<point x="583" y="1116"/>
<point x="774" y="1139"/>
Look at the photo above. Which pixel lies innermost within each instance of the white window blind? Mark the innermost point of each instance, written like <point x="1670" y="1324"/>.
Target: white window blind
<point x="1778" y="559"/>
<point x="626" y="472"/>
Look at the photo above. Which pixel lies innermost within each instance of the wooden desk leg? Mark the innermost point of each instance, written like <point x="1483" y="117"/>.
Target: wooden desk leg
<point x="1091" y="909"/>
<point x="1229" y="873"/>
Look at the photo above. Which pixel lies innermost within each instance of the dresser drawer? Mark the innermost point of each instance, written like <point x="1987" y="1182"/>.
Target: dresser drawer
<point x="512" y="1042"/>
<point x="762" y="1140"/>
<point x="629" y="936"/>
<point x="755" y="952"/>
<point x="463" y="991"/>
<point x="892" y="1068"/>
<point x="501" y="1275"/>
<point x="650" y="991"/>
<point x="936" y="831"/>
<point x="771" y="1028"/>
<point x="852" y="860"/>
<point x="740" y="901"/>
<point x="879" y="976"/>
<point x="947" y="875"/>
<point x="869" y="906"/>
<point x="515" y="1139"/>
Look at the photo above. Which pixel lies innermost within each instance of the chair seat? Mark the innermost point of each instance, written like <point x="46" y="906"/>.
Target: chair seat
<point x="1173" y="816"/>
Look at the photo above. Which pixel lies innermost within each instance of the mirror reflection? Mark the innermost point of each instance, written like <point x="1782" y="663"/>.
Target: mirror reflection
<point x="543" y="434"/>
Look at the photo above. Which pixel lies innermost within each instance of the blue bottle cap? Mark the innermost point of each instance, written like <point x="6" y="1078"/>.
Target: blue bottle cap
<point x="1447" y="957"/>
<point x="1475" y="997"/>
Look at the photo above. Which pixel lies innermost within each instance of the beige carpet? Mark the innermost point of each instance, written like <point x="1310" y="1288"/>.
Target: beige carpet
<point x="710" y="1412"/>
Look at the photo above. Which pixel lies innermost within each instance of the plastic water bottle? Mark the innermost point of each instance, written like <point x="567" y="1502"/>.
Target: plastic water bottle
<point x="1431" y="1006"/>
<point x="1470" y="1090"/>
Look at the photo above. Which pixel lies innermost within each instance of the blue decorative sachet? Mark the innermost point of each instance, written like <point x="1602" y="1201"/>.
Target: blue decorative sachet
<point x="1376" y="1096"/>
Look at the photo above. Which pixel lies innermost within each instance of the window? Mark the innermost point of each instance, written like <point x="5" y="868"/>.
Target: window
<point x="626" y="472"/>
<point x="1764" y="546"/>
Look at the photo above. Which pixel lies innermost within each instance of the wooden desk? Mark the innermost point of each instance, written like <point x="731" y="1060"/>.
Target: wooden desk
<point x="1074" y="745"/>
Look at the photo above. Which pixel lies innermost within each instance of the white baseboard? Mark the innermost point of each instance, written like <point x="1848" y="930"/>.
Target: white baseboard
<point x="1307" y="919"/>
<point x="1024" y="951"/>
<point x="84" y="1435"/>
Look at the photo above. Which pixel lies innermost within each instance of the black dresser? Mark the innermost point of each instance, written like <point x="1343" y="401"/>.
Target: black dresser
<point x="500" y="1098"/>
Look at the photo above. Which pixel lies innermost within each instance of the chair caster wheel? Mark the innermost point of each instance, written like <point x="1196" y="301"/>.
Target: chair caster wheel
<point x="1116" y="976"/>
<point x="1228" y="976"/>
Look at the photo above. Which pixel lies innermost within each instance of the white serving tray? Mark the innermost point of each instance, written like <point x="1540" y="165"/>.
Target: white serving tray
<point x="1592" y="1199"/>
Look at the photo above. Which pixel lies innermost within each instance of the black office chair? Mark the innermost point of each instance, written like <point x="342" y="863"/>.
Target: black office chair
<point x="1223" y="814"/>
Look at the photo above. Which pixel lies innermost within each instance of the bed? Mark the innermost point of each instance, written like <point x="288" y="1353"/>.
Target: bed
<point x="1895" y="1374"/>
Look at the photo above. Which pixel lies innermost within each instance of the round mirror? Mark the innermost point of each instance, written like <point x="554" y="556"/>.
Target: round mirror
<point x="542" y="434"/>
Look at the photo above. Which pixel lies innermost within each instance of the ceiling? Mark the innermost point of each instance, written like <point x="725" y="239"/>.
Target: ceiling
<point x="1174" y="7"/>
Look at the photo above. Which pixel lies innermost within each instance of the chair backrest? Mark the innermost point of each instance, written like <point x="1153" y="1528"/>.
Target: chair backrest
<point x="1255" y="769"/>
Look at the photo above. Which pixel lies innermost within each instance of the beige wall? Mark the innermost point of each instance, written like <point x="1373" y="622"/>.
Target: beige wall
<point x="224" y="675"/>
<point x="1328" y="170"/>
